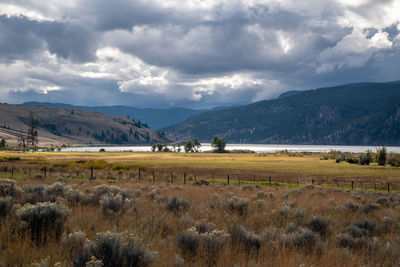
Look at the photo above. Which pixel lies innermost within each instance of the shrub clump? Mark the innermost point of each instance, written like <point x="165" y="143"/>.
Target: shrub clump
<point x="74" y="242"/>
<point x="177" y="205"/>
<point x="355" y="235"/>
<point x="261" y="195"/>
<point x="73" y="196"/>
<point x="318" y="225"/>
<point x="208" y="244"/>
<point x="351" y="206"/>
<point x="105" y="190"/>
<point x="153" y="194"/>
<point x="9" y="187"/>
<point x="249" y="187"/>
<point x="43" y="220"/>
<point x="112" y="204"/>
<point x="345" y="240"/>
<point x="301" y="238"/>
<point x="239" y="205"/>
<point x="240" y="236"/>
<point x="201" y="182"/>
<point x="50" y="193"/>
<point x="115" y="249"/>
<point x="6" y="206"/>
<point x="202" y="227"/>
<point x="188" y="242"/>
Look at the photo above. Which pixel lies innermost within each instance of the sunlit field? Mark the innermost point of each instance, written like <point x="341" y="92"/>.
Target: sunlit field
<point x="260" y="167"/>
<point x="166" y="209"/>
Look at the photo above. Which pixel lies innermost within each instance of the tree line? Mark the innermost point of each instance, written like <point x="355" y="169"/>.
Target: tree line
<point x="217" y="144"/>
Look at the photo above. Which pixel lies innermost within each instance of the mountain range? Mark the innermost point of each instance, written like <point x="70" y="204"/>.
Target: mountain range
<point x="352" y="114"/>
<point x="154" y="118"/>
<point x="73" y="126"/>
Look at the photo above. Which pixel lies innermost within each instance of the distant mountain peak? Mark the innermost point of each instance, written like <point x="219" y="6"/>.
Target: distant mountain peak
<point x="155" y="118"/>
<point x="352" y="114"/>
<point x="289" y="93"/>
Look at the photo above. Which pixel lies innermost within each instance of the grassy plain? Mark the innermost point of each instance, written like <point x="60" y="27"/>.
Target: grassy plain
<point x="281" y="168"/>
<point x="124" y="221"/>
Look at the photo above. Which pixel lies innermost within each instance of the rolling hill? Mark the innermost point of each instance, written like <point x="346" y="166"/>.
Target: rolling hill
<point x="73" y="126"/>
<point x="353" y="114"/>
<point x="155" y="118"/>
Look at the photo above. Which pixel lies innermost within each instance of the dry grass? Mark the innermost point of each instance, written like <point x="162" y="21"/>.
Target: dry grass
<point x="210" y="225"/>
<point x="280" y="168"/>
<point x="123" y="221"/>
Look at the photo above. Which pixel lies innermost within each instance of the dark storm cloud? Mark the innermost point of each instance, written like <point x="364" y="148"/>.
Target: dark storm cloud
<point x="250" y="40"/>
<point x="22" y="38"/>
<point x="191" y="53"/>
<point x="17" y="41"/>
<point x="121" y="14"/>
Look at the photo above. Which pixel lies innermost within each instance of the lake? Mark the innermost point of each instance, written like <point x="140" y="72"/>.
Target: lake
<point x="259" y="148"/>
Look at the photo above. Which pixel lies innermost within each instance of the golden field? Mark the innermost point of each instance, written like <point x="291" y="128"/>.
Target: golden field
<point x="52" y="213"/>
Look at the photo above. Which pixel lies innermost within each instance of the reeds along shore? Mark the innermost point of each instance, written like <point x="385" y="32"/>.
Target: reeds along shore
<point x="145" y="224"/>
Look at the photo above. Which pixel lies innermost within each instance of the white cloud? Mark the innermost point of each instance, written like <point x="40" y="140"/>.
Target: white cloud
<point x="195" y="50"/>
<point x="354" y="50"/>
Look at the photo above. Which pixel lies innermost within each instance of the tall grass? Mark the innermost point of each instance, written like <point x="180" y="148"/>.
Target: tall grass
<point x="128" y="223"/>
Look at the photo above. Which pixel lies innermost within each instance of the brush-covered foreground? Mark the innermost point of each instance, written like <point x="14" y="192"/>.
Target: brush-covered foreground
<point x="145" y="224"/>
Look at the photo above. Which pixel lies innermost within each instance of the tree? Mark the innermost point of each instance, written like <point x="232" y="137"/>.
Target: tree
<point x="381" y="156"/>
<point x="218" y="144"/>
<point x="160" y="147"/>
<point x="196" y="145"/>
<point x="32" y="138"/>
<point x="153" y="147"/>
<point x="3" y="144"/>
<point x="22" y="141"/>
<point x="188" y="146"/>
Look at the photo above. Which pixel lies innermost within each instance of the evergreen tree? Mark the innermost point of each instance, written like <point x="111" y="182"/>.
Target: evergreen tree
<point x="188" y="146"/>
<point x="3" y="144"/>
<point x="196" y="145"/>
<point x="218" y="144"/>
<point x="381" y="156"/>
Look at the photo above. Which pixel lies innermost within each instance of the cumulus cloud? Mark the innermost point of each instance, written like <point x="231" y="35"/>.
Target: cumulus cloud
<point x="195" y="53"/>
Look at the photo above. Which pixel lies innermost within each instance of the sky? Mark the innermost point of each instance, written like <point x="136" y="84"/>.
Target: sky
<point x="192" y="53"/>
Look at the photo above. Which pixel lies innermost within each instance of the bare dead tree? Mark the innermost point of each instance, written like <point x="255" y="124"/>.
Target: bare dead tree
<point x="22" y="140"/>
<point x="32" y="138"/>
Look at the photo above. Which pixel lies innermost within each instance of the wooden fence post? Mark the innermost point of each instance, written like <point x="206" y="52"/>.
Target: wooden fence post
<point x="388" y="187"/>
<point x="139" y="174"/>
<point x="184" y="178"/>
<point x="12" y="171"/>
<point x="29" y="173"/>
<point x="312" y="181"/>
<point x="154" y="178"/>
<point x="238" y="180"/>
<point x="254" y="179"/>
<point x="91" y="173"/>
<point x="45" y="172"/>
<point x="227" y="179"/>
<point x="269" y="180"/>
<point x="375" y="185"/>
<point x="172" y="178"/>
<point x="352" y="185"/>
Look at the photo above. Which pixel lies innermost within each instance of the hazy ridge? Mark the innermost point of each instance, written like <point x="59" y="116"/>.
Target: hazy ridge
<point x="352" y="114"/>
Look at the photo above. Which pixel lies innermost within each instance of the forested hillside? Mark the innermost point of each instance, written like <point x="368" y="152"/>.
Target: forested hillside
<point x="353" y="114"/>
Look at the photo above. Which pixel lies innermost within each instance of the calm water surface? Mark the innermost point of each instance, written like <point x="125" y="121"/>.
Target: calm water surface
<point x="254" y="147"/>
